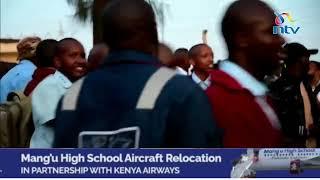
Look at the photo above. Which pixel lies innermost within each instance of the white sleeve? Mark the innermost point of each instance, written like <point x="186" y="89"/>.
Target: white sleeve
<point x="45" y="99"/>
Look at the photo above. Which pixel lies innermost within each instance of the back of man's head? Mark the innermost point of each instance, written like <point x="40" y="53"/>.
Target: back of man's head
<point x="181" y="51"/>
<point x="130" y="24"/>
<point x="45" y="52"/>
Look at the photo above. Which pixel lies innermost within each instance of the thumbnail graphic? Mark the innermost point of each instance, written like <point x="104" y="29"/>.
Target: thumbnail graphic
<point x="293" y="160"/>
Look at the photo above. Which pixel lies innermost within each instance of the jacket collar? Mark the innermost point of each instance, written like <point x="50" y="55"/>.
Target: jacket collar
<point x="244" y="79"/>
<point x="197" y="80"/>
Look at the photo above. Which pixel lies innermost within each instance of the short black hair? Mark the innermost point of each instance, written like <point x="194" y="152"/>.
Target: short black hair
<point x="194" y="50"/>
<point x="60" y="45"/>
<point x="45" y="52"/>
<point x="181" y="50"/>
<point x="129" y="24"/>
<point x="234" y="19"/>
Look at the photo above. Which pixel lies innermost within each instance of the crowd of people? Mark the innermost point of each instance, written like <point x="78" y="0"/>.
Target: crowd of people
<point x="134" y="91"/>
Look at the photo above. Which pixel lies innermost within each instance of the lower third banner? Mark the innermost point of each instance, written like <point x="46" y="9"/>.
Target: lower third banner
<point x="173" y="163"/>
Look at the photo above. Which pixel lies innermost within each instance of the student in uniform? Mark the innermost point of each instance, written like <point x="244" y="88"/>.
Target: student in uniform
<point x="201" y="58"/>
<point x="71" y="65"/>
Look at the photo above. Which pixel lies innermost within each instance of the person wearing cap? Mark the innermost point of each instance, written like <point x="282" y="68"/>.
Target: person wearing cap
<point x="294" y="101"/>
<point x="19" y="76"/>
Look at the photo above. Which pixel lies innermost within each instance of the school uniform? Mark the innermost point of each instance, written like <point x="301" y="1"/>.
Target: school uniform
<point x="203" y="84"/>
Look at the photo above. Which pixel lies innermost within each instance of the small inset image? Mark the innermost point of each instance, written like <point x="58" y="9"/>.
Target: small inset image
<point x="295" y="167"/>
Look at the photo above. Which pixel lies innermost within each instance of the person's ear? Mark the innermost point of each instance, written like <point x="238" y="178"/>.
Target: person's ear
<point x="56" y="62"/>
<point x="241" y="40"/>
<point x="192" y="62"/>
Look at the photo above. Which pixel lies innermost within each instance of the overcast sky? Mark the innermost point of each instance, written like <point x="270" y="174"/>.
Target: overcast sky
<point x="184" y="22"/>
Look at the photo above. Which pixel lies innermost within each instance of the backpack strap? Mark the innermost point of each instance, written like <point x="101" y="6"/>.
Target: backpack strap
<point x="153" y="88"/>
<point x="147" y="98"/>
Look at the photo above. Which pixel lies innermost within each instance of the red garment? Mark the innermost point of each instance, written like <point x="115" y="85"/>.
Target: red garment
<point x="242" y="120"/>
<point x="38" y="75"/>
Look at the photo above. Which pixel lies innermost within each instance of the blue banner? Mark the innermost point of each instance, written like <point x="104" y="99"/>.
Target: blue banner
<point x="159" y="163"/>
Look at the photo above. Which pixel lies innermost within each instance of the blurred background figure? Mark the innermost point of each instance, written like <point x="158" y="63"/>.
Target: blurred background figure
<point x="294" y="100"/>
<point x="96" y="56"/>
<point x="314" y="77"/>
<point x="182" y="61"/>
<point x="165" y="55"/>
<point x="19" y="76"/>
<point x="179" y="60"/>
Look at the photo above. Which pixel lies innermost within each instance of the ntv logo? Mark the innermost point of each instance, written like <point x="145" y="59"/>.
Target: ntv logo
<point x="284" y="29"/>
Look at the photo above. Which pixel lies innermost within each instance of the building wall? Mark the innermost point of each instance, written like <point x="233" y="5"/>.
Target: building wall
<point x="8" y="52"/>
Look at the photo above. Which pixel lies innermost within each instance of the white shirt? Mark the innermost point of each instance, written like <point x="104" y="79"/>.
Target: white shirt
<point x="257" y="88"/>
<point x="44" y="100"/>
<point x="181" y="71"/>
<point x="203" y="84"/>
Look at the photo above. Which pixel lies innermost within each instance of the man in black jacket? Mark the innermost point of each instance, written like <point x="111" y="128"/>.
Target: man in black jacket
<point x="297" y="111"/>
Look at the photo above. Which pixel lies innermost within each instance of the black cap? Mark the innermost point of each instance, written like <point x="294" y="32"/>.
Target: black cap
<point x="297" y="50"/>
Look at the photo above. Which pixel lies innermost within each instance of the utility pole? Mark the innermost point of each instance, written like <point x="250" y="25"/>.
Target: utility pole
<point x="205" y="36"/>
